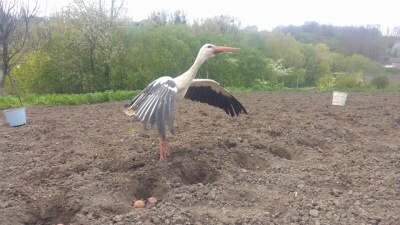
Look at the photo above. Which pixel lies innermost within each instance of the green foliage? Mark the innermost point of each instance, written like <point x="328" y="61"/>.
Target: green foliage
<point x="326" y="82"/>
<point x="395" y="86"/>
<point x="314" y="64"/>
<point x="89" y="51"/>
<point x="393" y="71"/>
<point x="285" y="47"/>
<point x="355" y="62"/>
<point x="10" y="101"/>
<point x="345" y="80"/>
<point x="380" y="82"/>
<point x="346" y="40"/>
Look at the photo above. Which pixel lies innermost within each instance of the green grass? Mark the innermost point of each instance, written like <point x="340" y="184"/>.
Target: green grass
<point x="11" y="101"/>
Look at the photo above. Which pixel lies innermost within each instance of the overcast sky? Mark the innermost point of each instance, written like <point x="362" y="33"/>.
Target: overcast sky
<point x="268" y="14"/>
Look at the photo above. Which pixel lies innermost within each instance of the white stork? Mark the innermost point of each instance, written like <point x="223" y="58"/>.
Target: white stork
<point x="156" y="103"/>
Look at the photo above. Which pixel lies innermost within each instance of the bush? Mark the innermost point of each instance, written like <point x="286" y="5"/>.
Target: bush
<point x="380" y="82"/>
<point x="344" y="80"/>
<point x="326" y="82"/>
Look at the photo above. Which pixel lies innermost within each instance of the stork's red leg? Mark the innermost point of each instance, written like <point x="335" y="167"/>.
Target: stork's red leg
<point x="160" y="141"/>
<point x="163" y="148"/>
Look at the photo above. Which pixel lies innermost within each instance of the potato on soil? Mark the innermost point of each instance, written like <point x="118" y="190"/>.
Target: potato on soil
<point x="139" y="204"/>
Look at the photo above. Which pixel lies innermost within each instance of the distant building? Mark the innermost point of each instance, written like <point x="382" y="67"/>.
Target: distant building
<point x="393" y="63"/>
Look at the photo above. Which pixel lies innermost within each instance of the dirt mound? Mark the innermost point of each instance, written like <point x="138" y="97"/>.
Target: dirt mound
<point x="294" y="158"/>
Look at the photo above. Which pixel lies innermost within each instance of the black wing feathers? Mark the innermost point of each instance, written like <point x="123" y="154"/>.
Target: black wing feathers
<point x="206" y="94"/>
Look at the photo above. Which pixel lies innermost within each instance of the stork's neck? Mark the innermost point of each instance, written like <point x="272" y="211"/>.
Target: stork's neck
<point x="191" y="73"/>
<point x="186" y="78"/>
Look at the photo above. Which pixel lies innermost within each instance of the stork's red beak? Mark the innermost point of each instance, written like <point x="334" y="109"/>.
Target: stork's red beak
<point x="219" y="49"/>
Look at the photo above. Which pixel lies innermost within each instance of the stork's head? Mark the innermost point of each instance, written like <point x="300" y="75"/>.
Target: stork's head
<point x="209" y="50"/>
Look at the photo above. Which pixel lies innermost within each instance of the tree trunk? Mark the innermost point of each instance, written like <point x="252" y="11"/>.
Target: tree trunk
<point x="3" y="91"/>
<point x="5" y="69"/>
<point x="4" y="64"/>
<point x="107" y="71"/>
<point x="92" y="67"/>
<point x="2" y="79"/>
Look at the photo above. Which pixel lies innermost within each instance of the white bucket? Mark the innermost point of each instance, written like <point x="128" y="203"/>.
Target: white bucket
<point x="339" y="98"/>
<point x="15" y="117"/>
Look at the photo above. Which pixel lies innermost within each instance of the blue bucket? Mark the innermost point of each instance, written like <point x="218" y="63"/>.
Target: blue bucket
<point x="15" y="117"/>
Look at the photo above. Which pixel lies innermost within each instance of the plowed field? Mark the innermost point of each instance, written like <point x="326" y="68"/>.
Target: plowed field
<point x="294" y="159"/>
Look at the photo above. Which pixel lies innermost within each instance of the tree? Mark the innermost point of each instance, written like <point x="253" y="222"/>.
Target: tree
<point x="311" y="64"/>
<point x="64" y="65"/>
<point x="217" y="25"/>
<point x="284" y="46"/>
<point x="356" y="63"/>
<point x="98" y="26"/>
<point x="178" y="17"/>
<point x="16" y="36"/>
<point x="159" y="17"/>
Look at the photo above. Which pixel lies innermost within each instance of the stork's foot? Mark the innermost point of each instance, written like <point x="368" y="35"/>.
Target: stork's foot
<point x="163" y="148"/>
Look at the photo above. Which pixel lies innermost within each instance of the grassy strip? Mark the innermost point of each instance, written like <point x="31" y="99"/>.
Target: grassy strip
<point x="10" y="101"/>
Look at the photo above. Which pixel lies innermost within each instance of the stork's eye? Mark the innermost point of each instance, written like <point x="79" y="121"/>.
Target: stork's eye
<point x="209" y="46"/>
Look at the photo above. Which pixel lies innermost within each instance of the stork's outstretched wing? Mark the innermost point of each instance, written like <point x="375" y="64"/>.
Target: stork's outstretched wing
<point x="155" y="104"/>
<point x="210" y="92"/>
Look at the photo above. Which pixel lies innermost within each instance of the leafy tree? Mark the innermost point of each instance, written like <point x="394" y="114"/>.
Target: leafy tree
<point x="295" y="78"/>
<point x="349" y="40"/>
<point x="218" y="25"/>
<point x="159" y="17"/>
<point x="254" y="39"/>
<point x="25" y="74"/>
<point x="325" y="62"/>
<point x="356" y="63"/>
<point x="285" y="47"/>
<point x="178" y="17"/>
<point x="64" y="65"/>
<point x="97" y="24"/>
<point x="16" y="35"/>
<point x="338" y="62"/>
<point x="252" y="66"/>
<point x="311" y="64"/>
<point x="366" y="41"/>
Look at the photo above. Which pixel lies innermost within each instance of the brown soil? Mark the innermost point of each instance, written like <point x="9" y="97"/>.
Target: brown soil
<point x="294" y="159"/>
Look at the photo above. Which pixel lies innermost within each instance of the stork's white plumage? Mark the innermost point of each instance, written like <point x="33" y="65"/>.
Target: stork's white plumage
<point x="157" y="102"/>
